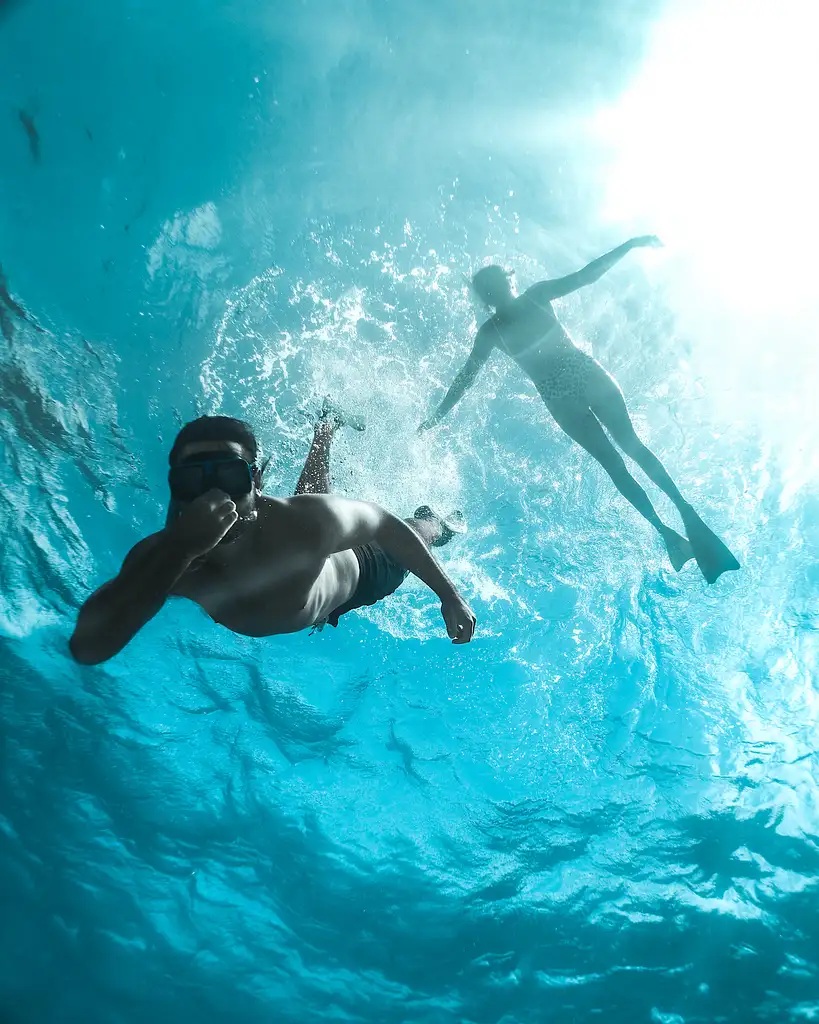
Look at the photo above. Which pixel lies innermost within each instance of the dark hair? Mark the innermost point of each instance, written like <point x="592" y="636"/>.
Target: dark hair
<point x="490" y="276"/>
<point x="215" y="428"/>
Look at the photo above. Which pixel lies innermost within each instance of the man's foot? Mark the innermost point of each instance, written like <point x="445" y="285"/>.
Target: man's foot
<point x="450" y="525"/>
<point x="679" y="549"/>
<point x="338" y="417"/>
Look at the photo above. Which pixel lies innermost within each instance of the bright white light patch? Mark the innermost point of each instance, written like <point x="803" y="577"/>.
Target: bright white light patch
<point x="715" y="145"/>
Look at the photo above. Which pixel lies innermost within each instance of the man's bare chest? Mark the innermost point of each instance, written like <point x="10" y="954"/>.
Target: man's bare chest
<point x="229" y="587"/>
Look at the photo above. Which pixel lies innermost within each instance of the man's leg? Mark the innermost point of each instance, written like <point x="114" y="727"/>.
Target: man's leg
<point x="433" y="530"/>
<point x="315" y="477"/>
<point x="580" y="423"/>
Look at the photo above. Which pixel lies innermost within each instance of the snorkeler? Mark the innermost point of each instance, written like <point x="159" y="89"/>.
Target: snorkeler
<point x="262" y="566"/>
<point x="581" y="396"/>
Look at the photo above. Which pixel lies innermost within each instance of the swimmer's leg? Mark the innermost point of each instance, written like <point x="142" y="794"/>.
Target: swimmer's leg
<point x="315" y="477"/>
<point x="342" y="417"/>
<point x="582" y="425"/>
<point x="607" y="403"/>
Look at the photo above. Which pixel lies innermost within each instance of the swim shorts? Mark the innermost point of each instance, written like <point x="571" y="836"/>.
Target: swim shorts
<point x="378" y="577"/>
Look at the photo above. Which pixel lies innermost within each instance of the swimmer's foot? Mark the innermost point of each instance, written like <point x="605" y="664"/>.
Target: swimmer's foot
<point x="679" y="548"/>
<point x="450" y="525"/>
<point x="713" y="557"/>
<point x="338" y="417"/>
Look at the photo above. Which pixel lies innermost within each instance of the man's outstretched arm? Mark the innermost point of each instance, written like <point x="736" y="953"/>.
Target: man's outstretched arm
<point x="545" y="291"/>
<point x="337" y="524"/>
<point x="115" y="613"/>
<point x="481" y="351"/>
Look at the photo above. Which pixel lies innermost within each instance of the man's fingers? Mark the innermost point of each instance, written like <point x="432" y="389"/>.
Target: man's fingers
<point x="214" y="496"/>
<point x="215" y="501"/>
<point x="222" y="505"/>
<point x="459" y="622"/>
<point x="463" y="632"/>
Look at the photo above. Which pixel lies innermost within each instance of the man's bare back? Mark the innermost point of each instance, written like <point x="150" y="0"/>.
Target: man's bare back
<point x="262" y="566"/>
<point x="583" y="398"/>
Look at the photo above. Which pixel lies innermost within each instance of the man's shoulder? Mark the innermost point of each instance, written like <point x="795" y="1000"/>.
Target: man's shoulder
<point x="301" y="524"/>
<point x="298" y="515"/>
<point x="313" y="518"/>
<point x="299" y="504"/>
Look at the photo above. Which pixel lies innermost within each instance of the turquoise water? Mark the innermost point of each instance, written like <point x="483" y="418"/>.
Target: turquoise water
<point x="605" y="807"/>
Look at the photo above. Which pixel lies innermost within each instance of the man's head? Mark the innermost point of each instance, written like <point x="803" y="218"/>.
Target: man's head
<point x="215" y="452"/>
<point x="492" y="284"/>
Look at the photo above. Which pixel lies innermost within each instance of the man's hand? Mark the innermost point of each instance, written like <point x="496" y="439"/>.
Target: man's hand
<point x="203" y="524"/>
<point x="433" y="421"/>
<point x="646" y="242"/>
<point x="460" y="622"/>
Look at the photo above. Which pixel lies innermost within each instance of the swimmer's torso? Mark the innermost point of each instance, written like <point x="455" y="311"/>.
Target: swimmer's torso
<point x="531" y="334"/>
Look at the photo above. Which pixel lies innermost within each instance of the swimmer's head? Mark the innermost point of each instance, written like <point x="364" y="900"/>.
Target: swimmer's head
<point x="216" y="452"/>
<point x="493" y="285"/>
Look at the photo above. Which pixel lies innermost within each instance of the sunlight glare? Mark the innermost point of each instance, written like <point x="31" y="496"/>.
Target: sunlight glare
<point x="714" y="145"/>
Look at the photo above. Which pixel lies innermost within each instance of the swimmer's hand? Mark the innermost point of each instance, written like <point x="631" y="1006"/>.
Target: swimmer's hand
<point x="433" y="421"/>
<point x="460" y="622"/>
<point x="646" y="242"/>
<point x="204" y="523"/>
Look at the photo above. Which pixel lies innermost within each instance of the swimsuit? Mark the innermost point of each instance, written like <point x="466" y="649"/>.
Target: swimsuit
<point x="556" y="366"/>
<point x="378" y="577"/>
<point x="565" y="374"/>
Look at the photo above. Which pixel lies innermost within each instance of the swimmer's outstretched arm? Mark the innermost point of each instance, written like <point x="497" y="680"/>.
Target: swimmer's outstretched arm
<point x="481" y="351"/>
<point x="115" y="613"/>
<point x="545" y="291"/>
